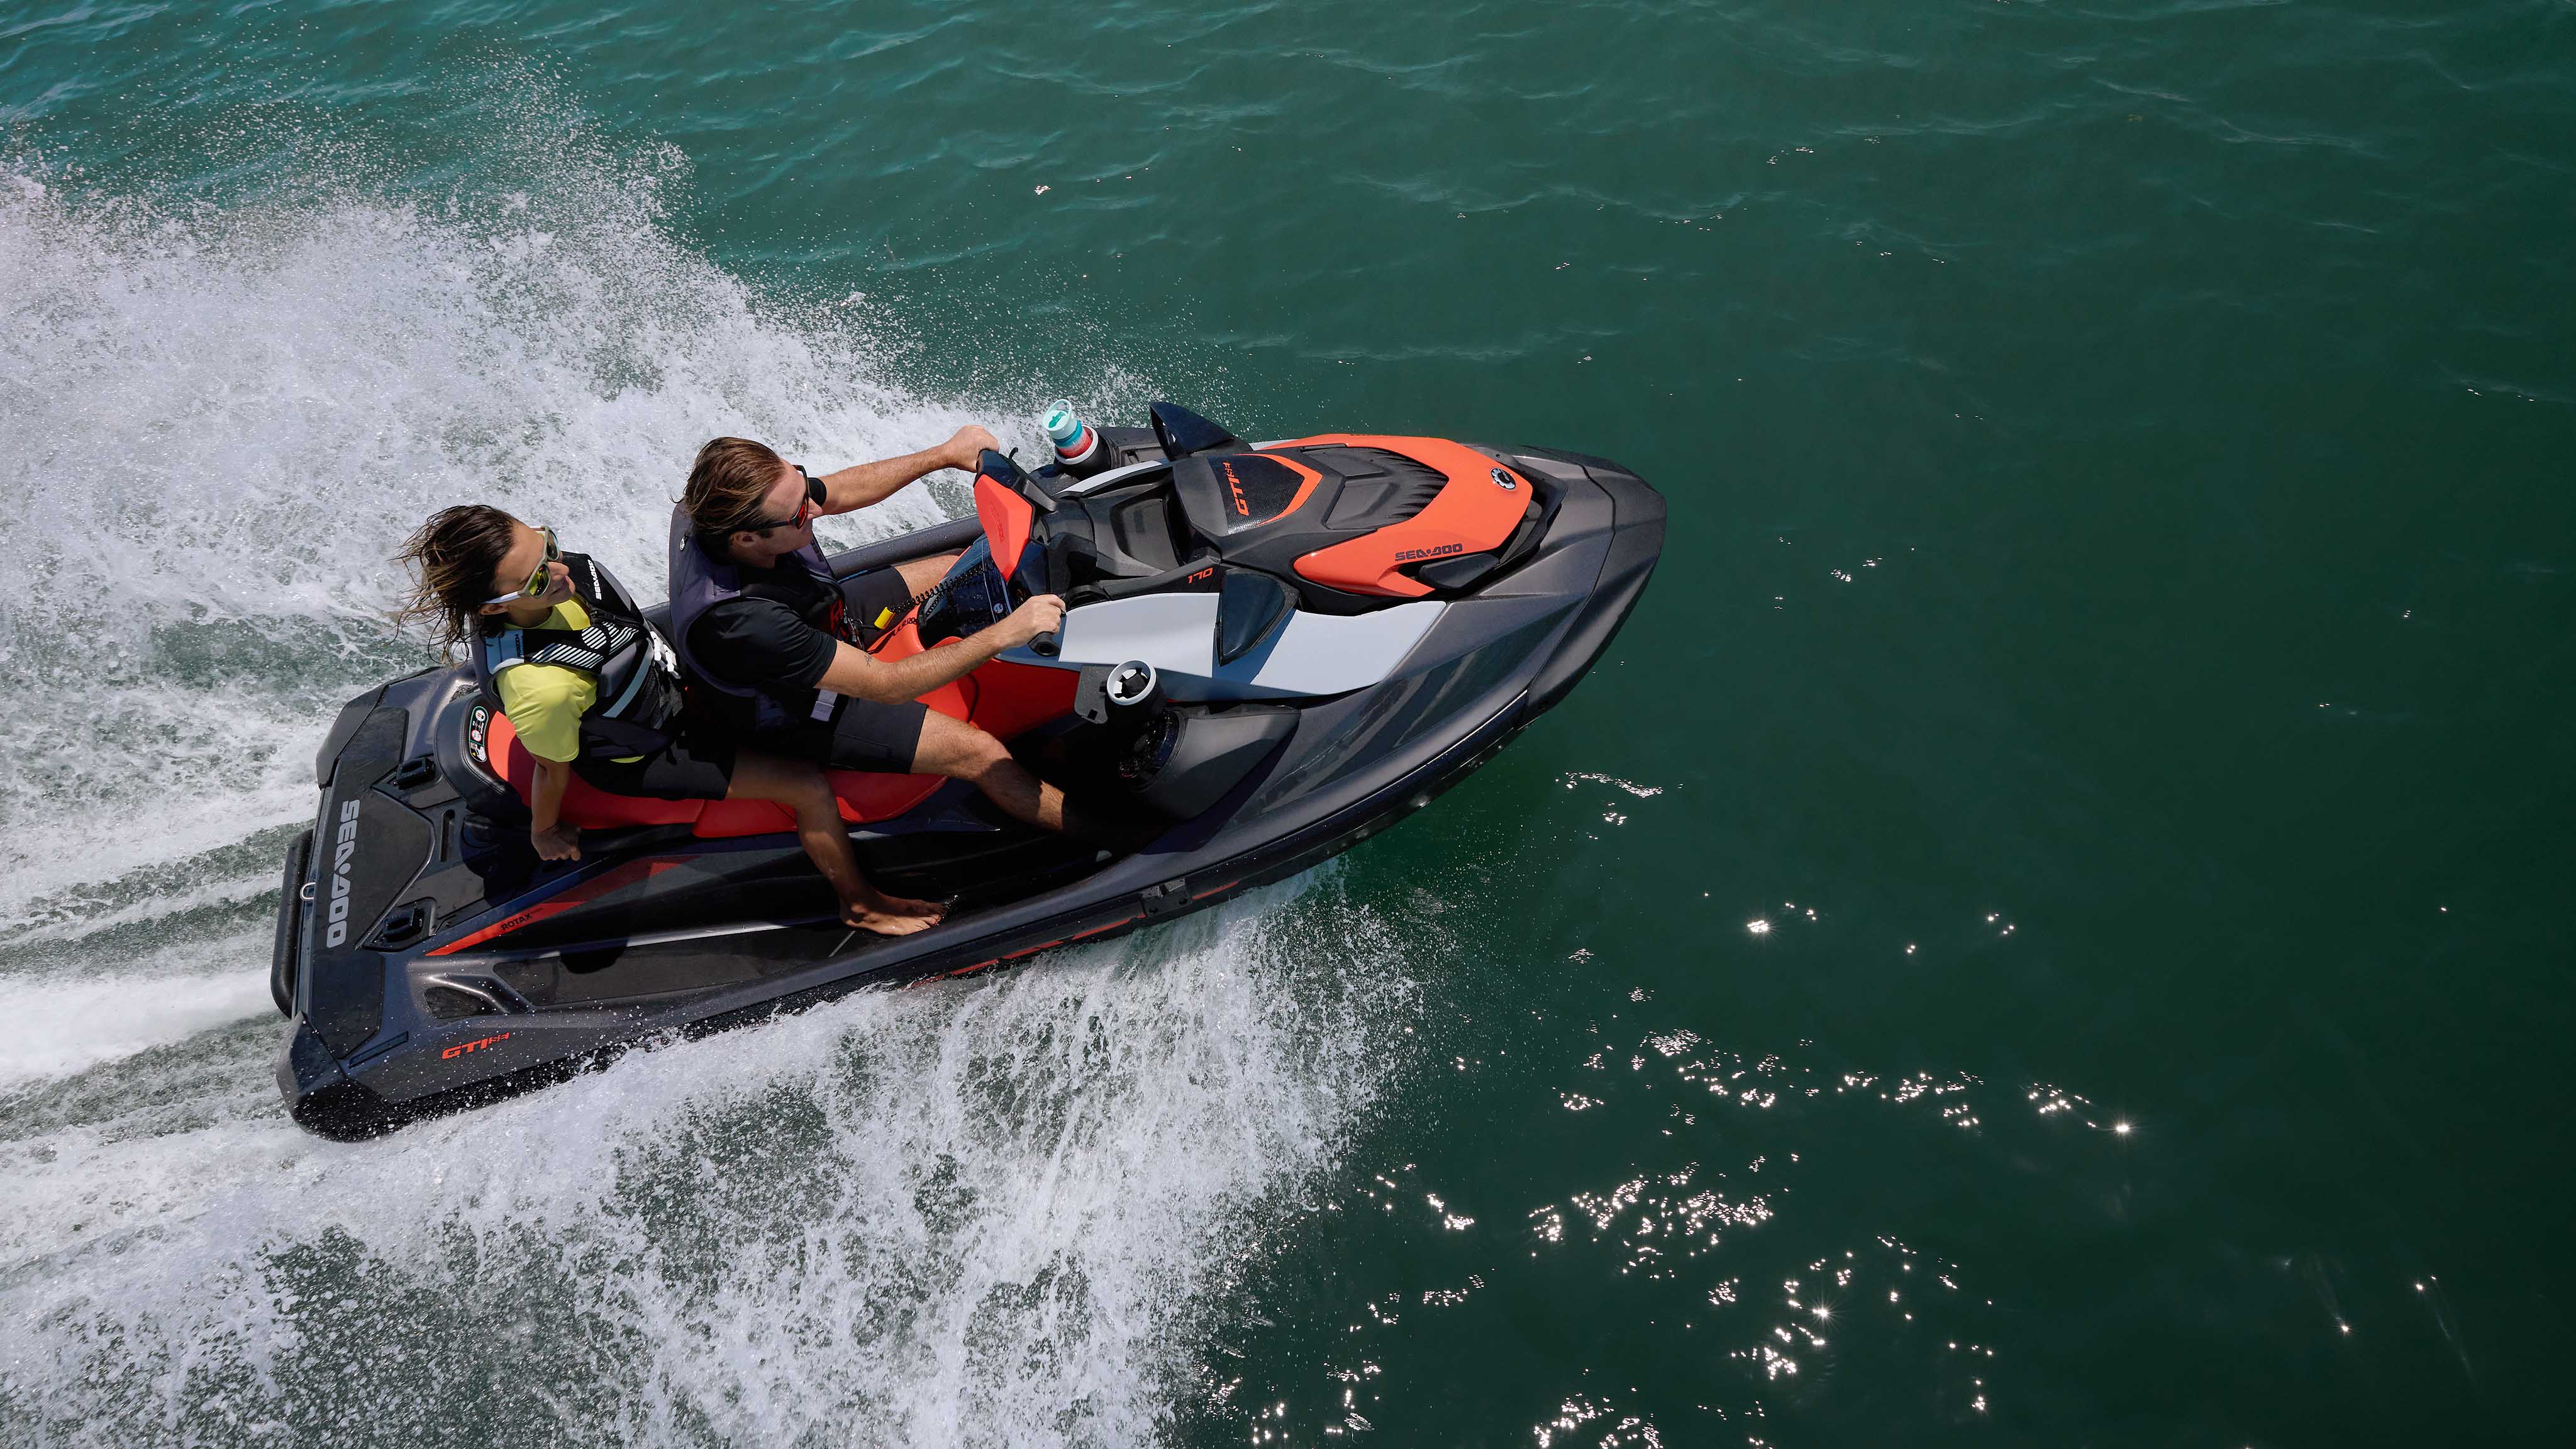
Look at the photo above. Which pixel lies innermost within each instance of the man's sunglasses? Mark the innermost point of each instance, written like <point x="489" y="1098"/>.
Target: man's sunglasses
<point x="536" y="583"/>
<point x="812" y="505"/>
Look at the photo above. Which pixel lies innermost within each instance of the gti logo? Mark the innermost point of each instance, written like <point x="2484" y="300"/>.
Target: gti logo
<point x="344" y="851"/>
<point x="476" y="1045"/>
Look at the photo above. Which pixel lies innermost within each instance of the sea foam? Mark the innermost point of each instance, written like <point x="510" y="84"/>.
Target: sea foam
<point x="991" y="1212"/>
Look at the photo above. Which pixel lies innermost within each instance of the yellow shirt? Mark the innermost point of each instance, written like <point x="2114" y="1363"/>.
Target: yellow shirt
<point x="545" y="702"/>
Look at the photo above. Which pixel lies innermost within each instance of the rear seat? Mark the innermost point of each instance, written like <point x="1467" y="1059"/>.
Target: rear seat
<point x="1006" y="699"/>
<point x="864" y="797"/>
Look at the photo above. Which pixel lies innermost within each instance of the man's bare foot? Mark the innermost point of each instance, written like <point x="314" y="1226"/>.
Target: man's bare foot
<point x="887" y="915"/>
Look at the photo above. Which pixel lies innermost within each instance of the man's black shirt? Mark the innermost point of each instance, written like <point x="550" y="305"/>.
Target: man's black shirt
<point x="770" y="641"/>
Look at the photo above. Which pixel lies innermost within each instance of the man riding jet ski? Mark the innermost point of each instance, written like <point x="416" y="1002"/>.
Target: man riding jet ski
<point x="759" y="616"/>
<point x="1266" y="653"/>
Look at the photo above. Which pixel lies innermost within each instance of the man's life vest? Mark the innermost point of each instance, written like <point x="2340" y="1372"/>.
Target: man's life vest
<point x="639" y="682"/>
<point x="700" y="580"/>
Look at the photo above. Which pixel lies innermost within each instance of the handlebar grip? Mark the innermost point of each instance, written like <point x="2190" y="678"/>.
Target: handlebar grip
<point x="1045" y="645"/>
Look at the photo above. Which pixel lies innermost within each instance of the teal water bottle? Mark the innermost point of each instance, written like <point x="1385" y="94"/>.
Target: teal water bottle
<point x="1077" y="448"/>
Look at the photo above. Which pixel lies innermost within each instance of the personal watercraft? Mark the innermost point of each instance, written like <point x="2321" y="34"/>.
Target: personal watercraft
<point x="1270" y="652"/>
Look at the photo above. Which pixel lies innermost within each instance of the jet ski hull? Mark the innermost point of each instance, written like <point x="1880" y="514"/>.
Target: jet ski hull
<point x="454" y="974"/>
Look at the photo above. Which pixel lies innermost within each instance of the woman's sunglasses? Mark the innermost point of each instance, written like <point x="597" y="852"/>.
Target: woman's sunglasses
<point x="536" y="583"/>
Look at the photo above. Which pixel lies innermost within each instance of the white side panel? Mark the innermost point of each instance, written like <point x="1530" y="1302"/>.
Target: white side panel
<point x="1176" y="633"/>
<point x="1327" y="654"/>
<point x="1312" y="654"/>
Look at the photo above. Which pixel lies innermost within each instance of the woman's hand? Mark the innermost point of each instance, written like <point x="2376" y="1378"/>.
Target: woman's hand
<point x="555" y="840"/>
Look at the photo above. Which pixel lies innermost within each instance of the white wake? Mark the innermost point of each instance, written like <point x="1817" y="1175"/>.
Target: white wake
<point x="983" y="1212"/>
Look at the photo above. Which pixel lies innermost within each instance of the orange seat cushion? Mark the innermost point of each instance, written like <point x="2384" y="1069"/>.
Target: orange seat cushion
<point x="1006" y="700"/>
<point x="582" y="805"/>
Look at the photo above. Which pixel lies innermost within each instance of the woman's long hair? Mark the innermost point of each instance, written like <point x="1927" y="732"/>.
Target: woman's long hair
<point x="452" y="560"/>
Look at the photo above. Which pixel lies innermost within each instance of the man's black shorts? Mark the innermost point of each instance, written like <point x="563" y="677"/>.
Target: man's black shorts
<point x="696" y="766"/>
<point x="861" y="735"/>
<point x="867" y="735"/>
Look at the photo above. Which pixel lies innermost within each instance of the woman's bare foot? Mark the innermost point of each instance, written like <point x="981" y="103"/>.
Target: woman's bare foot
<point x="888" y="915"/>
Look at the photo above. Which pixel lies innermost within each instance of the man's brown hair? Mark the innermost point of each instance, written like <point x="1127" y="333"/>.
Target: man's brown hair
<point x="727" y="484"/>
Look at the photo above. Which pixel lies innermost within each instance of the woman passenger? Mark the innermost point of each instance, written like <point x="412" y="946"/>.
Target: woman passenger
<point x="592" y="691"/>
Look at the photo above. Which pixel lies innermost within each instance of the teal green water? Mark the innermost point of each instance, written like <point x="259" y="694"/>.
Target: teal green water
<point x="2047" y="927"/>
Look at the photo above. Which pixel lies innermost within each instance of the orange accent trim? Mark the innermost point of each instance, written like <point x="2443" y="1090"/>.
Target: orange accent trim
<point x="1007" y="520"/>
<point x="631" y="873"/>
<point x="1470" y="515"/>
<point x="1033" y="950"/>
<point x="1229" y="885"/>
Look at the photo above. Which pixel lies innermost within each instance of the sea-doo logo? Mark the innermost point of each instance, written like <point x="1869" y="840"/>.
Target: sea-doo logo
<point x="476" y="1045"/>
<point x="1443" y="551"/>
<point x="344" y="852"/>
<point x="1505" y="481"/>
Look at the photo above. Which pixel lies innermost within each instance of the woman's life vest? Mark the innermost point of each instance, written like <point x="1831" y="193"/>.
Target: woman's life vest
<point x="700" y="580"/>
<point x="639" y="681"/>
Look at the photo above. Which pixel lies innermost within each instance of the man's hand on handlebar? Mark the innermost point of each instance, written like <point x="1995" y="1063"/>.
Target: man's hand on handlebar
<point x="968" y="444"/>
<point x="1043" y="614"/>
